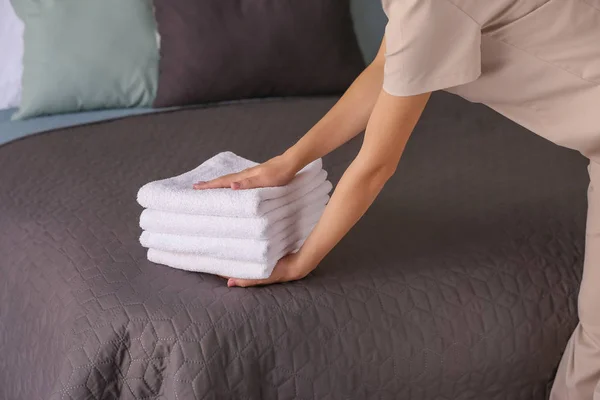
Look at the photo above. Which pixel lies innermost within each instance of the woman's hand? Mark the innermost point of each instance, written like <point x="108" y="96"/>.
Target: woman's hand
<point x="344" y="121"/>
<point x="389" y="129"/>
<point x="278" y="171"/>
<point x="287" y="269"/>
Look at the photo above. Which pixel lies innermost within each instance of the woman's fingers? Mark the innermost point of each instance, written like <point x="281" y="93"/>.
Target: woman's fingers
<point x="246" y="183"/>
<point x="215" y="183"/>
<point x="276" y="276"/>
<point x="271" y="173"/>
<point x="221" y="182"/>
<point x="242" y="180"/>
<point x="286" y="270"/>
<point x="249" y="282"/>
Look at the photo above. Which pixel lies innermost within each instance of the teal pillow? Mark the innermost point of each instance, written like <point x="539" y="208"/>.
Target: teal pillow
<point x="86" y="55"/>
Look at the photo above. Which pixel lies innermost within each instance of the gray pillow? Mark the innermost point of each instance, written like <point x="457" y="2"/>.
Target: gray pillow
<point x="87" y="54"/>
<point x="214" y="50"/>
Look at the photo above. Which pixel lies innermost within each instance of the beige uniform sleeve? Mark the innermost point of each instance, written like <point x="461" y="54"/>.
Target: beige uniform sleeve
<point x="430" y="45"/>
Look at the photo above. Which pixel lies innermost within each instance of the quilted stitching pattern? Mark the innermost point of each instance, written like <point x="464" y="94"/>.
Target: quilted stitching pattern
<point x="460" y="283"/>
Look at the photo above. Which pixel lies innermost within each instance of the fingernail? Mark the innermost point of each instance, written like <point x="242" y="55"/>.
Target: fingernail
<point x="230" y="283"/>
<point x="235" y="185"/>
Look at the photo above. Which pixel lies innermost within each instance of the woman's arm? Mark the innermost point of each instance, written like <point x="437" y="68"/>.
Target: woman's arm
<point x="344" y="121"/>
<point x="389" y="127"/>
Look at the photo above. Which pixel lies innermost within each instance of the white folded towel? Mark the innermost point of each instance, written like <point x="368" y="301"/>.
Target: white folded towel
<point x="216" y="266"/>
<point x="265" y="227"/>
<point x="252" y="250"/>
<point x="178" y="195"/>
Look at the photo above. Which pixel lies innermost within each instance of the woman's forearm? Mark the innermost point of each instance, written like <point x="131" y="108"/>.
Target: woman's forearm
<point x="344" y="121"/>
<point x="354" y="194"/>
<point x="390" y="126"/>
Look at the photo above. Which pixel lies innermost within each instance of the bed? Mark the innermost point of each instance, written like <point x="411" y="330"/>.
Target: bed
<point x="459" y="283"/>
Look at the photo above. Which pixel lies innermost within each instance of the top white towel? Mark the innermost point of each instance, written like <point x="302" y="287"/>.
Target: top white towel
<point x="178" y="195"/>
<point x="263" y="227"/>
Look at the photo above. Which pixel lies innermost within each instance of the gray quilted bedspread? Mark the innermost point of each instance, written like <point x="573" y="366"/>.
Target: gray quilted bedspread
<point x="459" y="283"/>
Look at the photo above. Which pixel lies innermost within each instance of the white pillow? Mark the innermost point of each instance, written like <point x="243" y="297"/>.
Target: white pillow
<point x="11" y="56"/>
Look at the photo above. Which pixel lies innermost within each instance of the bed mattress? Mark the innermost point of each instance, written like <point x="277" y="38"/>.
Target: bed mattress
<point x="459" y="283"/>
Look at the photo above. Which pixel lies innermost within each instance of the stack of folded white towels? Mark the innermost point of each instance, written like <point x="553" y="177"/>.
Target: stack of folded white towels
<point x="233" y="233"/>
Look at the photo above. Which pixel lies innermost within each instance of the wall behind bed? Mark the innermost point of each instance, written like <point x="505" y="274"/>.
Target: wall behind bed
<point x="369" y="24"/>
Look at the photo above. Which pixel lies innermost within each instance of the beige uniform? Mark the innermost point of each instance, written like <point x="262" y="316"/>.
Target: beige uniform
<point x="538" y="63"/>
